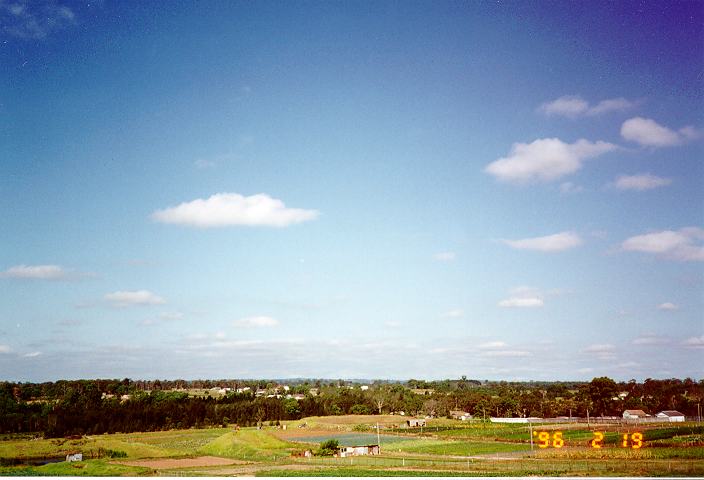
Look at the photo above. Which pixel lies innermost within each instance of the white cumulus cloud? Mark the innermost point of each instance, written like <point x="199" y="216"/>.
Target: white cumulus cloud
<point x="683" y="245"/>
<point x="649" y="133"/>
<point x="5" y="349"/>
<point x="549" y="243"/>
<point x="229" y="209"/>
<point x="37" y="272"/>
<point x="456" y="313"/>
<point x="641" y="182"/>
<point x="255" y="322"/>
<point x="133" y="298"/>
<point x="573" y="106"/>
<point x="545" y="160"/>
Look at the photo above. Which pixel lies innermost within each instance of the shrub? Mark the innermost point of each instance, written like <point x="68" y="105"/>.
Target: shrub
<point x="328" y="448"/>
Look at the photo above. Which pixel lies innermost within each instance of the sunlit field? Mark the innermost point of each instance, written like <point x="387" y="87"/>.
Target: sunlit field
<point x="444" y="447"/>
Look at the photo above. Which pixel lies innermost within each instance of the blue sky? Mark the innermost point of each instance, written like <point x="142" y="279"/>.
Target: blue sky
<point x="351" y="189"/>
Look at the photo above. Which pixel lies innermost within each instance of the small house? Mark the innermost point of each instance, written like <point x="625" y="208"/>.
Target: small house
<point x="460" y="415"/>
<point x="415" y="422"/>
<point x="670" y="416"/>
<point x="634" y="415"/>
<point x="74" y="457"/>
<point x="357" y="450"/>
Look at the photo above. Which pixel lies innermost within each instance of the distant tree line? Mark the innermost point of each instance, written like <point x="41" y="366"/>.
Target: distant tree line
<point x="78" y="407"/>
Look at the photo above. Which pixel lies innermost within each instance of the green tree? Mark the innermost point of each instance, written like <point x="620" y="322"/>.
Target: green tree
<point x="602" y="390"/>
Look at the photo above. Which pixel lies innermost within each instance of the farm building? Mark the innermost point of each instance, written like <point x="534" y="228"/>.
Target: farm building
<point x="415" y="422"/>
<point x="74" y="457"/>
<point x="356" y="450"/>
<point x="634" y="415"/>
<point x="515" y="420"/>
<point x="670" y="416"/>
<point x="460" y="415"/>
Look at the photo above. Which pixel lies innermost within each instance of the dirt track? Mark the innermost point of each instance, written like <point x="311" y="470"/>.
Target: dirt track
<point x="162" y="463"/>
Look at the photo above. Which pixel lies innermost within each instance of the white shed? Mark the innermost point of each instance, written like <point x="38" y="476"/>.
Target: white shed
<point x="670" y="416"/>
<point x="74" y="457"/>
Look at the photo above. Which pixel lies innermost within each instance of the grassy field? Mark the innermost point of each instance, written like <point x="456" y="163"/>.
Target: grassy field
<point x="454" y="448"/>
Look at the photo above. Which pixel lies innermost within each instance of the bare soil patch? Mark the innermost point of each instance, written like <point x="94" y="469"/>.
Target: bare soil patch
<point x="162" y="463"/>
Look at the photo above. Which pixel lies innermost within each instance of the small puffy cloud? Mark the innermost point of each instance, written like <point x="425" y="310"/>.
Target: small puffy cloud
<point x="573" y="106"/>
<point x="648" y="133"/>
<point x="133" y="298"/>
<point x="444" y="256"/>
<point x="550" y="243"/>
<point x="694" y="342"/>
<point x="5" y="349"/>
<point x="641" y="182"/>
<point x="566" y="106"/>
<point x="668" y="306"/>
<point x="683" y="245"/>
<point x="256" y="322"/>
<point x="37" y="272"/>
<point x="32" y="354"/>
<point x="171" y="315"/>
<point x="611" y="105"/>
<point x="523" y="297"/>
<point x="545" y="160"/>
<point x="492" y="345"/>
<point x="455" y="313"/>
<point x="231" y="209"/>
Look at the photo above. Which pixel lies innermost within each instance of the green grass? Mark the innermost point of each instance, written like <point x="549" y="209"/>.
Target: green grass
<point x="181" y="442"/>
<point x="248" y="444"/>
<point x="90" y="468"/>
<point x="461" y="448"/>
<point x="135" y="445"/>
<point x="355" y="472"/>
<point x="670" y="451"/>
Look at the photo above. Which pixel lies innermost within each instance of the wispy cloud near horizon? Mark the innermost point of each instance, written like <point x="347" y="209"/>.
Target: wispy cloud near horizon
<point x="123" y="299"/>
<point x="557" y="242"/>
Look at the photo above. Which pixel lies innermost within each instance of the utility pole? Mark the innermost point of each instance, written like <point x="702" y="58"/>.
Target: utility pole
<point x="378" y="438"/>
<point x="531" y="435"/>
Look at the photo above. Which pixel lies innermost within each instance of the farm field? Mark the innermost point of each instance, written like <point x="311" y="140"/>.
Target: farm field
<point x="444" y="448"/>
